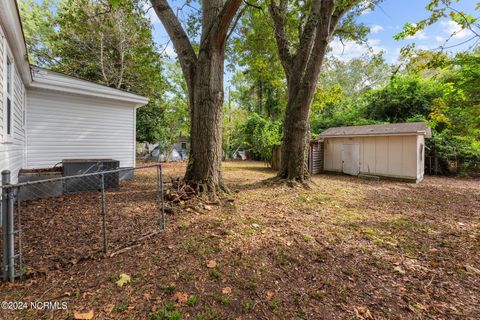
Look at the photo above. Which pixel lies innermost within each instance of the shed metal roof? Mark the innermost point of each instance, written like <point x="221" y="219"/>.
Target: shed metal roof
<point x="409" y="128"/>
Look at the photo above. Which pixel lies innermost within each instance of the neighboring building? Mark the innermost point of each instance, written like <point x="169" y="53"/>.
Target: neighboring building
<point x="389" y="150"/>
<point x="46" y="117"/>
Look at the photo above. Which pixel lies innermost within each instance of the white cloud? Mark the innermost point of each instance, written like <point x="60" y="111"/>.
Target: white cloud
<point x="366" y="11"/>
<point x="420" y="35"/>
<point x="351" y="49"/>
<point x="453" y="28"/>
<point x="440" y="38"/>
<point x="376" y="28"/>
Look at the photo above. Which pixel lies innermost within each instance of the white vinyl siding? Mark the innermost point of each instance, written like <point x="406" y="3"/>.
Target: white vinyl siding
<point x="67" y="126"/>
<point x="12" y="147"/>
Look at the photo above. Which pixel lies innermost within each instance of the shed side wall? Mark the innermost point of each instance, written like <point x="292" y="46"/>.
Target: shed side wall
<point x="394" y="156"/>
<point x="65" y="126"/>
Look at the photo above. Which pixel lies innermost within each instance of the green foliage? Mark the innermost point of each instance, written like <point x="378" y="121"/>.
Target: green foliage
<point x="260" y="86"/>
<point x="402" y="98"/>
<point x="260" y="135"/>
<point x="109" y="42"/>
<point x="166" y="313"/>
<point x="438" y="10"/>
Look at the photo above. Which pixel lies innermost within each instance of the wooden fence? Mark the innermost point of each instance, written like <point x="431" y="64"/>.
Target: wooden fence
<point x="315" y="157"/>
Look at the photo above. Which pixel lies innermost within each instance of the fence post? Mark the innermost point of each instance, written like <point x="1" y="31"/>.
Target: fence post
<point x="162" y="202"/>
<point x="8" y="244"/>
<point x="104" y="213"/>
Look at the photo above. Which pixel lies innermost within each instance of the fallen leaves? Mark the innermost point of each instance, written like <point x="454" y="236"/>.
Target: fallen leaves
<point x="83" y="315"/>
<point x="123" y="279"/>
<point x="399" y="270"/>
<point x="363" y="313"/>
<point x="180" y="297"/>
<point x="211" y="264"/>
<point x="227" y="290"/>
<point x="471" y="269"/>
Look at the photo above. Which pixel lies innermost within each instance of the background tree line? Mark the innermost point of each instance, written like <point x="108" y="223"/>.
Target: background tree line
<point x="114" y="46"/>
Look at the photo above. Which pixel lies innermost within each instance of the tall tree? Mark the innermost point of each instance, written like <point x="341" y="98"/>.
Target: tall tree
<point x="96" y="41"/>
<point x="203" y="72"/>
<point x="301" y="52"/>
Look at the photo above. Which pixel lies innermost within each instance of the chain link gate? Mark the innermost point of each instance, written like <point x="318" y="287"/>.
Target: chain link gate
<point x="86" y="214"/>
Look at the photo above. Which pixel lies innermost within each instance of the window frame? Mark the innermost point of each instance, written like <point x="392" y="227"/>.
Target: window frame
<point x="9" y="96"/>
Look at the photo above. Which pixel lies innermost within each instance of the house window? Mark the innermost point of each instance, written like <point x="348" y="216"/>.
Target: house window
<point x="9" y="112"/>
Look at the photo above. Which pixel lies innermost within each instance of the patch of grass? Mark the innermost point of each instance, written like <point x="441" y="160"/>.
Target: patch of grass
<point x="165" y="314"/>
<point x="319" y="295"/>
<point x="184" y="225"/>
<point x="307" y="237"/>
<point x="190" y="244"/>
<point x="113" y="277"/>
<point x="249" y="305"/>
<point x="120" y="307"/>
<point x="284" y="259"/>
<point x="192" y="300"/>
<point x="186" y="275"/>
<point x="215" y="273"/>
<point x="274" y="304"/>
<point x="225" y="300"/>
<point x="206" y="249"/>
<point x="209" y="314"/>
<point x="169" y="288"/>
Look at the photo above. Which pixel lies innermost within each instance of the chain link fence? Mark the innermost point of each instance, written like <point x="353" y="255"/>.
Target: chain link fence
<point x="54" y="223"/>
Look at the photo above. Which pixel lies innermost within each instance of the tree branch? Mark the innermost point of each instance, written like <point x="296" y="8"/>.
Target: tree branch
<point x="224" y="20"/>
<point x="278" y="14"/>
<point x="234" y="25"/>
<point x="307" y="38"/>
<point x="179" y="38"/>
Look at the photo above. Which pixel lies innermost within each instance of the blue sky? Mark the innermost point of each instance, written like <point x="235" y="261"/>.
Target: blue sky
<point x="385" y="21"/>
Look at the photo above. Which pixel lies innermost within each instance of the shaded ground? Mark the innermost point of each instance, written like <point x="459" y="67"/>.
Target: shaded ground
<point x="346" y="249"/>
<point x="61" y="231"/>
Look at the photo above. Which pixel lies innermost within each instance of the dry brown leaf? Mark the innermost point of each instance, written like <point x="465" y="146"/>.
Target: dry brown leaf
<point x="227" y="290"/>
<point x="363" y="313"/>
<point x="83" y="315"/>
<point x="211" y="264"/>
<point x="399" y="270"/>
<point x="471" y="269"/>
<point x="181" y="297"/>
<point x="109" y="308"/>
<point x="269" y="294"/>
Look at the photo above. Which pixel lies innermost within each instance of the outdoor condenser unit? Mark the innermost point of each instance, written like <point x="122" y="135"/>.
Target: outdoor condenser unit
<point x="76" y="167"/>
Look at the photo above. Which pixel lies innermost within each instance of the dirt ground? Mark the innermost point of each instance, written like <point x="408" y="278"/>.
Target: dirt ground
<point x="345" y="249"/>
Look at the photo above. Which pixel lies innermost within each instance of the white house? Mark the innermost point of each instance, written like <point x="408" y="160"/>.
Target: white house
<point x="390" y="150"/>
<point x="46" y="117"/>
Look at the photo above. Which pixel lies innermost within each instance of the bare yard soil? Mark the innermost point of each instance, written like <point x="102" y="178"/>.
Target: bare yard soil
<point x="345" y="249"/>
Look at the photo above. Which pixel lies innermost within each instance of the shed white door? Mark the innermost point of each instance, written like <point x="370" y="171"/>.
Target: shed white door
<point x="351" y="159"/>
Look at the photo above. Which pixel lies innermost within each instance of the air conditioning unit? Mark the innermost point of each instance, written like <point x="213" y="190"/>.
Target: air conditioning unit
<point x="83" y="180"/>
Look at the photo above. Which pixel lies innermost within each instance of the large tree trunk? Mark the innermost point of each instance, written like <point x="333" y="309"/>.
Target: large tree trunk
<point x="302" y="69"/>
<point x="295" y="140"/>
<point x="204" y="165"/>
<point x="204" y="77"/>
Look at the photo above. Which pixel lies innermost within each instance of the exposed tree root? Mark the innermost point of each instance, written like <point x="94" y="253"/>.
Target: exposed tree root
<point x="204" y="192"/>
<point x="292" y="183"/>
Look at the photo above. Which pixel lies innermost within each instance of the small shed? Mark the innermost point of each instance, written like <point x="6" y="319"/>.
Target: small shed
<point x="389" y="150"/>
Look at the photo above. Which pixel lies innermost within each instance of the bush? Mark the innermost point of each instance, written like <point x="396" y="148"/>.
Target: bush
<point x="260" y="135"/>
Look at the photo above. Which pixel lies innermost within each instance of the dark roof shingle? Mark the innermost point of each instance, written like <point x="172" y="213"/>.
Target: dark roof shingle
<point x="379" y="129"/>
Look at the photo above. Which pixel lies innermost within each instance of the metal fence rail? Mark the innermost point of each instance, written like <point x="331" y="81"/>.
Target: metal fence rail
<point x="54" y="222"/>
